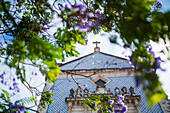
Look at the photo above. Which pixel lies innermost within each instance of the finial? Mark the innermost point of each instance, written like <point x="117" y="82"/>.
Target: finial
<point x="96" y="49"/>
<point x="96" y="43"/>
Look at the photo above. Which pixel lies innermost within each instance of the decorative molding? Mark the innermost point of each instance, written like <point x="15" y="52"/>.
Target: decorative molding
<point x="105" y="73"/>
<point x="100" y="77"/>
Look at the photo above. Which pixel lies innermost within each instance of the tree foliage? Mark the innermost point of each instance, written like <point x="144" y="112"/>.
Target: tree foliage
<point x="27" y="24"/>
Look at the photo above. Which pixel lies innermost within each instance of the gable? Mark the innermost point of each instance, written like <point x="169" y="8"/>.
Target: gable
<point x="97" y="60"/>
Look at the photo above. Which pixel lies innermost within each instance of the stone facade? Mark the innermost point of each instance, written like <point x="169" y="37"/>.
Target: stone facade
<point x="97" y="73"/>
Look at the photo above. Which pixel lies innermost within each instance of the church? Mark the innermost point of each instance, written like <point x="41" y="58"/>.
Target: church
<point x="99" y="73"/>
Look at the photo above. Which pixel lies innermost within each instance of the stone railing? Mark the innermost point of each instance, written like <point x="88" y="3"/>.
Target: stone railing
<point x="131" y="99"/>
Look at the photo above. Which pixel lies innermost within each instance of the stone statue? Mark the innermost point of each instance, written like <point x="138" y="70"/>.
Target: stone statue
<point x="78" y="92"/>
<point x="124" y="89"/>
<point x="109" y="92"/>
<point x="132" y="91"/>
<point x="86" y="91"/>
<point x="117" y="91"/>
<point x="71" y="93"/>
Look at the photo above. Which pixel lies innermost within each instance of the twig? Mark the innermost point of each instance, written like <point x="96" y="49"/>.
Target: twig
<point x="25" y="108"/>
<point x="75" y="81"/>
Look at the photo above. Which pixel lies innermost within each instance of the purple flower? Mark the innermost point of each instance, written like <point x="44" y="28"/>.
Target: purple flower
<point x="15" y="85"/>
<point x="4" y="73"/>
<point x="84" y="85"/>
<point x="76" y="9"/>
<point x="109" y="110"/>
<point x="18" y="90"/>
<point x="22" y="109"/>
<point x="125" y="47"/>
<point x="124" y="109"/>
<point x="93" y="105"/>
<point x="10" y="88"/>
<point x="120" y="104"/>
<point x="2" y="76"/>
<point x="86" y="42"/>
<point x="84" y="28"/>
<point x="69" y="13"/>
<point x="82" y="8"/>
<point x="89" y="23"/>
<point x="76" y="27"/>
<point x="97" y="24"/>
<point x="158" y="61"/>
<point x="84" y="37"/>
<point x="99" y="15"/>
<point x="117" y="110"/>
<point x="43" y="74"/>
<point x="158" y="4"/>
<point x="16" y="102"/>
<point x="67" y="7"/>
<point x="120" y="97"/>
<point x="61" y="8"/>
<point x="12" y="105"/>
<point x="89" y="14"/>
<point x="111" y="102"/>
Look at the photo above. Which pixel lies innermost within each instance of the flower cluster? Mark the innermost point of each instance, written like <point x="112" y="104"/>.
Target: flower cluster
<point x="42" y="25"/>
<point x="157" y="60"/>
<point x="158" y="4"/>
<point x="105" y="103"/>
<point x="2" y="78"/>
<point x="14" y="85"/>
<point x="17" y="108"/>
<point x="122" y="108"/>
<point x="83" y="19"/>
<point x="93" y="105"/>
<point x="111" y="102"/>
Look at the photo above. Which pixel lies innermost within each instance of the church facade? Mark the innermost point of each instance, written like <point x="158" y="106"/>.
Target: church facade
<point x="98" y="73"/>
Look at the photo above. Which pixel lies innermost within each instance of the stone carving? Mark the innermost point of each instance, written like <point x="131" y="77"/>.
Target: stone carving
<point x="109" y="92"/>
<point x="86" y="91"/>
<point x="78" y="92"/>
<point x="117" y="91"/>
<point x="93" y="93"/>
<point x="124" y="89"/>
<point x="71" y="93"/>
<point x="132" y="91"/>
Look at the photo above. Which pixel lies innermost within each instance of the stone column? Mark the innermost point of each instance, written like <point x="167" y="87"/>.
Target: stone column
<point x="137" y="106"/>
<point x="69" y="107"/>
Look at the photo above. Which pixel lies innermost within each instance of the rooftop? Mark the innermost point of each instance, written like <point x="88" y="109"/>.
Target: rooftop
<point x="97" y="60"/>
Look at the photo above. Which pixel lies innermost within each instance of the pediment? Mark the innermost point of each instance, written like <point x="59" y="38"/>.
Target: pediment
<point x="97" y="60"/>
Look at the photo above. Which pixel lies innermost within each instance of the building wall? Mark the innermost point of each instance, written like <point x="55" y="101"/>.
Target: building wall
<point x="62" y="86"/>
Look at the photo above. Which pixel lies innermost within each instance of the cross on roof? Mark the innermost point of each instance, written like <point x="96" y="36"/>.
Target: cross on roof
<point x="96" y="43"/>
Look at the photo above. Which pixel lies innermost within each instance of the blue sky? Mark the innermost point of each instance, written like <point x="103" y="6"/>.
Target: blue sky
<point x="166" y="5"/>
